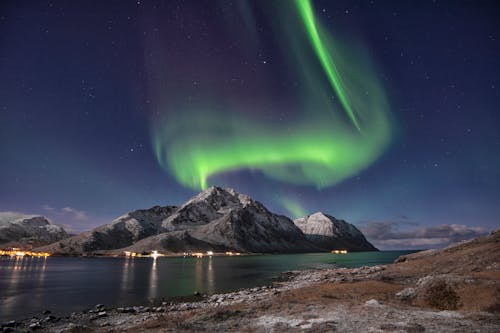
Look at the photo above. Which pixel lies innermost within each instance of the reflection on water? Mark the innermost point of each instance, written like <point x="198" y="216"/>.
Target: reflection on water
<point x="15" y="270"/>
<point x="63" y="285"/>
<point x="127" y="274"/>
<point x="210" y="277"/>
<point x="199" y="273"/>
<point x="204" y="274"/>
<point x="153" y="280"/>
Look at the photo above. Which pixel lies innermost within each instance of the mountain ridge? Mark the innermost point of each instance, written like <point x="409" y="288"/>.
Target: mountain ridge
<point x="26" y="231"/>
<point x="216" y="219"/>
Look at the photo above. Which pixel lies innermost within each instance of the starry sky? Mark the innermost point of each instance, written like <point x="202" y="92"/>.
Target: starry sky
<point x="382" y="113"/>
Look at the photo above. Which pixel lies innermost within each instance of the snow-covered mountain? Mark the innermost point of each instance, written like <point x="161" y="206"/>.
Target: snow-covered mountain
<point x="216" y="219"/>
<point x="331" y="234"/>
<point x="21" y="230"/>
<point x="121" y="232"/>
<point x="221" y="219"/>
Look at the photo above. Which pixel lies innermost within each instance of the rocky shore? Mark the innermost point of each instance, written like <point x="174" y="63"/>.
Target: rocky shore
<point x="452" y="290"/>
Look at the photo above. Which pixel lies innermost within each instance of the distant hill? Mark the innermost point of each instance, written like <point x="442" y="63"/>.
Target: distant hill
<point x="331" y="234"/>
<point x="216" y="219"/>
<point x="121" y="232"/>
<point x="26" y="231"/>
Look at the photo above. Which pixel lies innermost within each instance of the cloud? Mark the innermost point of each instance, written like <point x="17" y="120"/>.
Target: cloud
<point x="388" y="235"/>
<point x="11" y="216"/>
<point x="67" y="212"/>
<point x="78" y="214"/>
<point x="48" y="208"/>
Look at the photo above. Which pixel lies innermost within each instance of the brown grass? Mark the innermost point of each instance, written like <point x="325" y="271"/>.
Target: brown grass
<point x="441" y="295"/>
<point x="480" y="297"/>
<point x="328" y="293"/>
<point x="487" y="275"/>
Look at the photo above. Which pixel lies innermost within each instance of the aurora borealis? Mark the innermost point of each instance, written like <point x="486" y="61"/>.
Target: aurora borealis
<point x="382" y="113"/>
<point x="319" y="147"/>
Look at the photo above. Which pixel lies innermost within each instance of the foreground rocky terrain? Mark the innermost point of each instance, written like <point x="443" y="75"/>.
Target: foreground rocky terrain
<point x="456" y="289"/>
<point x="216" y="220"/>
<point x="27" y="231"/>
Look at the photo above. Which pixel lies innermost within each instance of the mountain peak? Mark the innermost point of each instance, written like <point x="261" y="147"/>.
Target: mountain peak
<point x="218" y="197"/>
<point x="320" y="216"/>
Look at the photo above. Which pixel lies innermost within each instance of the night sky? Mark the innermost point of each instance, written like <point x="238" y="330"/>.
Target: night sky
<point x="382" y="113"/>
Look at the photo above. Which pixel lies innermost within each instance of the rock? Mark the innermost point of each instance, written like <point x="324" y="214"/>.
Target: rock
<point x="11" y="323"/>
<point x="102" y="314"/>
<point x="99" y="306"/>
<point x="35" y="326"/>
<point x="74" y="328"/>
<point x="414" y="328"/>
<point x="372" y="302"/>
<point x="426" y="280"/>
<point x="7" y="330"/>
<point x="49" y="319"/>
<point x="408" y="293"/>
<point x="185" y="307"/>
<point x="139" y="309"/>
<point x="125" y="310"/>
<point x="46" y="312"/>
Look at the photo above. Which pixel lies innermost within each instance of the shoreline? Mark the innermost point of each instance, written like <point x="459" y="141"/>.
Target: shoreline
<point x="101" y="315"/>
<point x="453" y="289"/>
<point x="230" y="305"/>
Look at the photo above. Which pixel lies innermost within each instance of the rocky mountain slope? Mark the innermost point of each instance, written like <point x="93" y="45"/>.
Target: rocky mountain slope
<point x="331" y="234"/>
<point x="216" y="219"/>
<point x="219" y="219"/>
<point x="121" y="232"/>
<point x="28" y="230"/>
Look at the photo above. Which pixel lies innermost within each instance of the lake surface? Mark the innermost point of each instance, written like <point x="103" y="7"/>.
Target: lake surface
<point x="64" y="285"/>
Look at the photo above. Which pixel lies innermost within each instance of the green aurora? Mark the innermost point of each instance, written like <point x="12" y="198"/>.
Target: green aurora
<point x="293" y="207"/>
<point x="339" y="123"/>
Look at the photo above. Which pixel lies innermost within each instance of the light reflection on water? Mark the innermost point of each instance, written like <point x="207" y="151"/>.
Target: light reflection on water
<point x="15" y="270"/>
<point x="127" y="275"/>
<point x="153" y="280"/>
<point x="63" y="285"/>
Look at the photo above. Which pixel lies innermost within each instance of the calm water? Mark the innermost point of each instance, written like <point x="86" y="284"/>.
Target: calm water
<point x="64" y="285"/>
